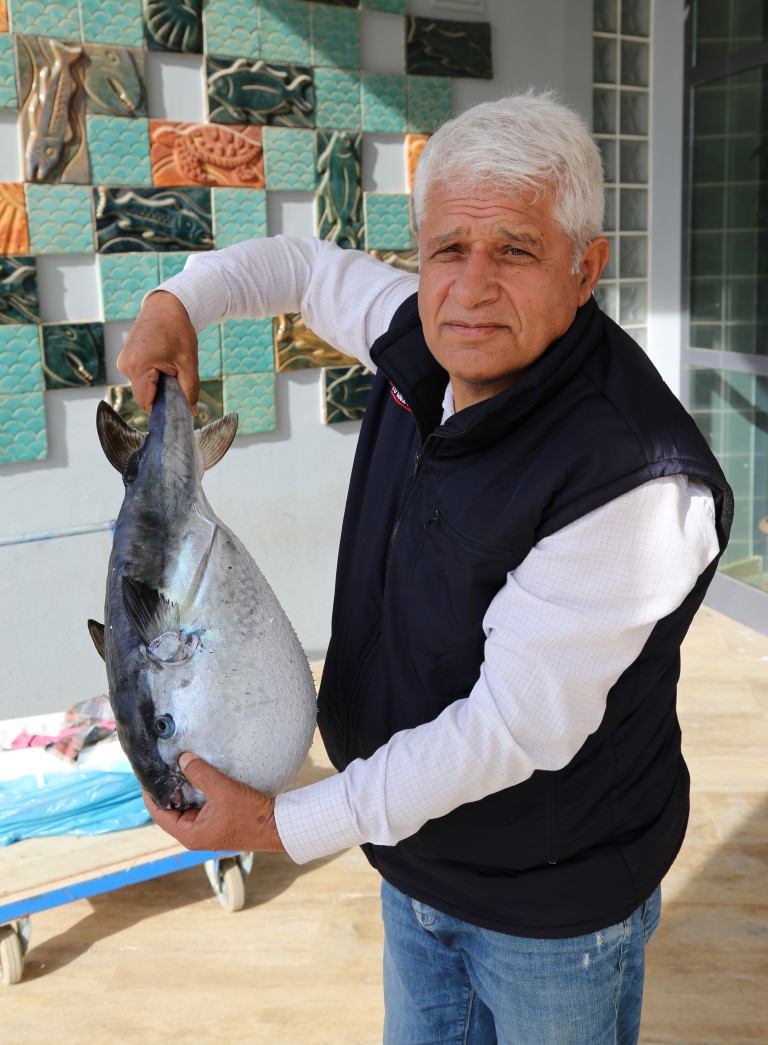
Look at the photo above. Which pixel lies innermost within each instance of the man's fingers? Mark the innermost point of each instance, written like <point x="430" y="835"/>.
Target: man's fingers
<point x="201" y="774"/>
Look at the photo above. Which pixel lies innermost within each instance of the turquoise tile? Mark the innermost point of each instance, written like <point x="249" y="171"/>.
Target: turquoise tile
<point x="388" y="221"/>
<point x="252" y="397"/>
<point x="119" y="150"/>
<point x="23" y="434"/>
<point x="284" y="28"/>
<point x="430" y="102"/>
<point x="247" y="347"/>
<point x="384" y="103"/>
<point x="171" y="264"/>
<point x="345" y="393"/>
<point x="112" y="22"/>
<point x="232" y="27"/>
<point x="396" y="7"/>
<point x="238" y="214"/>
<point x="125" y="279"/>
<point x="338" y="99"/>
<point x="209" y="352"/>
<point x="8" y="97"/>
<point x="289" y="159"/>
<point x="335" y="37"/>
<point x="73" y="355"/>
<point x="20" y="364"/>
<point x="115" y="80"/>
<point x="60" y="219"/>
<point x="60" y="18"/>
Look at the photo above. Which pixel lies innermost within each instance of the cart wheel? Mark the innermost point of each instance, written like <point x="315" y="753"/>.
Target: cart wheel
<point x="231" y="892"/>
<point x="11" y="956"/>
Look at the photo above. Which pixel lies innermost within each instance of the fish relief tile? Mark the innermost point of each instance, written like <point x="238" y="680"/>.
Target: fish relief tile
<point x="284" y="29"/>
<point x="405" y="260"/>
<point x="384" y="103"/>
<point x="244" y="91"/>
<point x="46" y="18"/>
<point x="52" y="103"/>
<point x="338" y="99"/>
<point x="119" y="150"/>
<point x="209" y="352"/>
<point x="246" y="347"/>
<point x="414" y="146"/>
<point x="14" y="227"/>
<point x="388" y="221"/>
<point x="173" y="25"/>
<point x="152" y="219"/>
<point x="8" y="97"/>
<point x="210" y="403"/>
<point x="23" y="434"/>
<point x="252" y="398"/>
<point x="335" y="37"/>
<point x="429" y="102"/>
<point x="115" y="80"/>
<point x="19" y="302"/>
<point x="339" y="3"/>
<point x="438" y="47"/>
<point x="73" y="355"/>
<point x="120" y="398"/>
<point x="116" y="22"/>
<point x="20" y="366"/>
<point x="206" y="154"/>
<point x="339" y="196"/>
<point x="232" y="27"/>
<point x="125" y="279"/>
<point x="238" y="214"/>
<point x="345" y="393"/>
<point x="60" y="219"/>
<point x="289" y="159"/>
<point x="298" y="348"/>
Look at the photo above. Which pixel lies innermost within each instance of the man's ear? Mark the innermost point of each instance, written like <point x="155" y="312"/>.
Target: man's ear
<point x="593" y="260"/>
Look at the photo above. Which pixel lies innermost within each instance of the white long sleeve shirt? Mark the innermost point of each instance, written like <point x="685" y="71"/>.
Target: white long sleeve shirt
<point x="571" y="617"/>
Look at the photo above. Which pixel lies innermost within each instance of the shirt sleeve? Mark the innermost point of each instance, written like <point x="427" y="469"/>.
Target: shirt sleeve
<point x="346" y="297"/>
<point x="569" y="620"/>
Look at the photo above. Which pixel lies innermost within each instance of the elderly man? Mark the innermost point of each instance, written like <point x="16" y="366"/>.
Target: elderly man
<point x="532" y="522"/>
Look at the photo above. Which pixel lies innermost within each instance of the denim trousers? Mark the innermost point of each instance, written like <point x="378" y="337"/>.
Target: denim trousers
<point x="447" y="982"/>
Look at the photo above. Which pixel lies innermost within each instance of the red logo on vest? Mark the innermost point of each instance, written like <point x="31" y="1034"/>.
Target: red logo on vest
<point x="399" y="398"/>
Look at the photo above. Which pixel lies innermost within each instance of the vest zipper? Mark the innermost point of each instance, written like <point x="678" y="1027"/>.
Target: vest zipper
<point x="417" y="463"/>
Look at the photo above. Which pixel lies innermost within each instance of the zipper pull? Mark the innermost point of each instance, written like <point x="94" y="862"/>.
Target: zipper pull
<point x="416" y="462"/>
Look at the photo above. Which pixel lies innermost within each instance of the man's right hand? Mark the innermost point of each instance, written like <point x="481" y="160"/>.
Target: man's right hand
<point x="162" y="339"/>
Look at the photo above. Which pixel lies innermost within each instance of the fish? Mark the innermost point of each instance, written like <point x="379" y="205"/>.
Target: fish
<point x="200" y="656"/>
<point x="48" y="112"/>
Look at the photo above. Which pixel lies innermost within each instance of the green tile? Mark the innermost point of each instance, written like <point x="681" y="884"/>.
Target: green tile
<point x="238" y="214"/>
<point x="439" y="47"/>
<point x="247" y="347"/>
<point x="396" y="7"/>
<point x="284" y="28"/>
<point x="209" y="351"/>
<point x="232" y="27"/>
<point x="8" y="98"/>
<point x="59" y="18"/>
<point x="338" y="99"/>
<point x="345" y="393"/>
<point x="252" y="397"/>
<point x="335" y="37"/>
<point x="119" y="150"/>
<point x="388" y="221"/>
<point x="115" y="80"/>
<point x="73" y="355"/>
<point x="171" y="264"/>
<point x="174" y="25"/>
<point x="112" y="22"/>
<point x="125" y="279"/>
<point x="289" y="159"/>
<point x="430" y="102"/>
<point x="338" y="197"/>
<point x="156" y="219"/>
<point x="384" y="103"/>
<point x="20" y="364"/>
<point x="19" y="301"/>
<point x="60" y="219"/>
<point x="267" y="91"/>
<point x="23" y="434"/>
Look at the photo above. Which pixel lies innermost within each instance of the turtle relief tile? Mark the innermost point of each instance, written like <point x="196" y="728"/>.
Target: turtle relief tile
<point x="429" y="102"/>
<point x="23" y="433"/>
<point x="384" y="103"/>
<point x="297" y="347"/>
<point x="73" y="355"/>
<point x="60" y="219"/>
<point x="20" y="366"/>
<point x="388" y="221"/>
<point x="284" y="29"/>
<point x="173" y="25"/>
<point x="335" y="37"/>
<point x="115" y="80"/>
<point x="232" y="27"/>
<point x="8" y="97"/>
<point x="252" y="398"/>
<point x="338" y="196"/>
<point x="338" y="99"/>
<point x="46" y="18"/>
<point x="438" y="47"/>
<point x="14" y="228"/>
<point x="153" y="219"/>
<point x="246" y="346"/>
<point x="289" y="159"/>
<point x="345" y="393"/>
<point x="119" y="150"/>
<point x="114" y="22"/>
<point x="206" y="154"/>
<point x="244" y="91"/>
<point x="238" y="214"/>
<point x="19" y="302"/>
<point x="125" y="279"/>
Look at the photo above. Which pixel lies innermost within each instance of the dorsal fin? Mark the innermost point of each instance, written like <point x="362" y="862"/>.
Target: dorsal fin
<point x="97" y="634"/>
<point x="150" y="613"/>
<point x="118" y="440"/>
<point x="216" y="438"/>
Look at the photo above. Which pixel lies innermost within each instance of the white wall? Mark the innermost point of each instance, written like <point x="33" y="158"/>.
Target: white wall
<point x="282" y="493"/>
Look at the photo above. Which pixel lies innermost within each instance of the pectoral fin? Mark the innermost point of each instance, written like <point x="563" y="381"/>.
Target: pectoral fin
<point x="216" y="438"/>
<point x="97" y="634"/>
<point x="118" y="440"/>
<point x="150" y="613"/>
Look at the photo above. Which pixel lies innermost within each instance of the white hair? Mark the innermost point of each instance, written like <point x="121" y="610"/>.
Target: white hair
<point x="528" y="141"/>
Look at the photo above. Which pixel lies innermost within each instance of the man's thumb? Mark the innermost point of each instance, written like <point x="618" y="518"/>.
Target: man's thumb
<point x="197" y="770"/>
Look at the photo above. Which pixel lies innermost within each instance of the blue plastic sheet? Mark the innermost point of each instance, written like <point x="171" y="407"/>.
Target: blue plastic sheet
<point x="88" y="802"/>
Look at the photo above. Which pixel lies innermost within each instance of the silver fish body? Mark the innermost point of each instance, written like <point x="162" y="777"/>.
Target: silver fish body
<point x="200" y="655"/>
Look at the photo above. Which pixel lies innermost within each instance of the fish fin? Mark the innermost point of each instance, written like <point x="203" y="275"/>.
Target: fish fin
<point x="216" y="438"/>
<point x="150" y="612"/>
<point x="97" y="634"/>
<point x="118" y="440"/>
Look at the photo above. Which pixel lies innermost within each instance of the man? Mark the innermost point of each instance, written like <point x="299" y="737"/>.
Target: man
<point x="532" y="522"/>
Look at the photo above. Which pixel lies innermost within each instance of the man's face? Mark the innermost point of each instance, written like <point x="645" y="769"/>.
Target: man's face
<point x="497" y="285"/>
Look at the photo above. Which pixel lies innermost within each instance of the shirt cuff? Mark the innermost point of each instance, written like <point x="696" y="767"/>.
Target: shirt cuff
<point x="316" y="821"/>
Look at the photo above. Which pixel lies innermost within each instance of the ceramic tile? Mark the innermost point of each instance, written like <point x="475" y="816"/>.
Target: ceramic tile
<point x="429" y="102"/>
<point x="438" y="47"/>
<point x="210" y="404"/>
<point x="3" y="16"/>
<point x="339" y="3"/>
<point x="73" y="355"/>
<point x="120" y="398"/>
<point x="125" y="279"/>
<point x="173" y="25"/>
<point x="52" y="103"/>
<point x="335" y="37"/>
<point x="396" y="7"/>
<point x="252" y="398"/>
<point x="388" y="221"/>
<point x="46" y="18"/>
<point x="338" y="99"/>
<point x="284" y="29"/>
<point x="116" y="22"/>
<point x="244" y="91"/>
<point x="60" y="219"/>
<point x="406" y="260"/>
<point x="171" y="264"/>
<point x="345" y="393"/>
<point x="115" y="80"/>
<point x="23" y="435"/>
<point x="209" y="351"/>
<point x="414" y="146"/>
<point x="338" y="198"/>
<point x="119" y="150"/>
<point x="19" y="302"/>
<point x="238" y="214"/>
<point x="246" y="347"/>
<point x="20" y="366"/>
<point x="14" y="228"/>
<point x="297" y="347"/>
<point x="8" y="98"/>
<point x="289" y="159"/>
<point x="152" y="219"/>
<point x="384" y="103"/>
<point x="232" y="27"/>
<point x="206" y="154"/>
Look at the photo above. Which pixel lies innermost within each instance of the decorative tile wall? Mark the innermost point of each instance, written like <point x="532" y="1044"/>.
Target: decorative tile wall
<point x="288" y="109"/>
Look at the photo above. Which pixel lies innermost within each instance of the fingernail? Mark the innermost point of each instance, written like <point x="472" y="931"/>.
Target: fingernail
<point x="184" y="759"/>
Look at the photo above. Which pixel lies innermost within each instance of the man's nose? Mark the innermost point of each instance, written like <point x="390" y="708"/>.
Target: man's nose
<point x="476" y="280"/>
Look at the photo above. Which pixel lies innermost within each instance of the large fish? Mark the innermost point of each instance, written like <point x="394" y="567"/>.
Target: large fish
<point x="200" y="656"/>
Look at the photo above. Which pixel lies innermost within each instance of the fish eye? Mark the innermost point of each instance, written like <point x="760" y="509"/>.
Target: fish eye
<point x="165" y="727"/>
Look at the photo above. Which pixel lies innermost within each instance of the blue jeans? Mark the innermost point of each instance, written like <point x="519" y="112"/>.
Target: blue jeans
<point x="447" y="982"/>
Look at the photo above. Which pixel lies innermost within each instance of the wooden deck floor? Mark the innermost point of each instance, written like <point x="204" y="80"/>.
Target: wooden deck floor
<point x="300" y="964"/>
